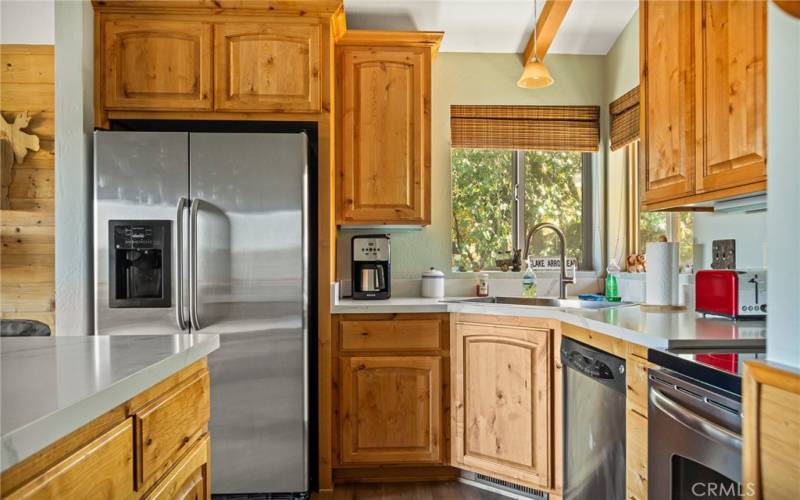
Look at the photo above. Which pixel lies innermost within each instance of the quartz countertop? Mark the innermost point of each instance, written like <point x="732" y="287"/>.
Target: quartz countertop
<point x="51" y="386"/>
<point x="656" y="330"/>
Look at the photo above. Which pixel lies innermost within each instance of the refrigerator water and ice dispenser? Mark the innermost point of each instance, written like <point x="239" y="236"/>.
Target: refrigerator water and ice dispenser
<point x="139" y="263"/>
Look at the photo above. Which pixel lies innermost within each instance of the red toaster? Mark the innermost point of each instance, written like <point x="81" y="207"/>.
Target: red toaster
<point x="731" y="293"/>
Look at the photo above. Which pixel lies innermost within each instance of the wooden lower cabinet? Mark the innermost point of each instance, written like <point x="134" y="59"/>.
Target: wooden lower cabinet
<point x="503" y="417"/>
<point x="163" y="431"/>
<point x="391" y="396"/>
<point x="102" y="469"/>
<point x="391" y="409"/>
<point x="190" y="479"/>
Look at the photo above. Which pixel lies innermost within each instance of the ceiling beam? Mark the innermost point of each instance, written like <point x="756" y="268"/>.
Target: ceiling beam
<point x="547" y="26"/>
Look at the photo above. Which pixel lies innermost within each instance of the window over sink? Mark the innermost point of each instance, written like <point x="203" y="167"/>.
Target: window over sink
<point x="499" y="194"/>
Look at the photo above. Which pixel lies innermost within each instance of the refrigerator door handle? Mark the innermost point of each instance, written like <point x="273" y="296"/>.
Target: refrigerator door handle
<point x="193" y="315"/>
<point x="183" y="203"/>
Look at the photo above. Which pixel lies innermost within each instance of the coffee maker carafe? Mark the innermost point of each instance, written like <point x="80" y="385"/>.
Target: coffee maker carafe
<point x="371" y="267"/>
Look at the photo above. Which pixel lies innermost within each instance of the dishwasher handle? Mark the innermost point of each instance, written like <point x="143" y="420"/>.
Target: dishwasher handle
<point x="595" y="364"/>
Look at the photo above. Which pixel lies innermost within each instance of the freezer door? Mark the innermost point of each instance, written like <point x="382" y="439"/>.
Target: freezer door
<point x="137" y="176"/>
<point x="248" y="275"/>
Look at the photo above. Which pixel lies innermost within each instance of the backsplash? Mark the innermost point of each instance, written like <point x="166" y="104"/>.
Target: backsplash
<point x="546" y="286"/>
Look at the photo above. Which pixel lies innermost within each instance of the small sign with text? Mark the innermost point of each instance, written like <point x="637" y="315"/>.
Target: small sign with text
<point x="551" y="263"/>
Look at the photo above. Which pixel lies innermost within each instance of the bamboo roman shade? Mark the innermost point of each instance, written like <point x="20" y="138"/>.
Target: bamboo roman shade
<point x="624" y="114"/>
<point x="543" y="128"/>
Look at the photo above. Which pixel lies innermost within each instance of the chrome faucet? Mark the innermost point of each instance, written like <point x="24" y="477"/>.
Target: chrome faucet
<point x="564" y="281"/>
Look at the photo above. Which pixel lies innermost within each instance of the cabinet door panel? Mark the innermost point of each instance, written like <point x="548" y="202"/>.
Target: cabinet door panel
<point x="156" y="64"/>
<point x="268" y="66"/>
<point x="102" y="469"/>
<point x="502" y="396"/>
<point x="669" y="99"/>
<point x="734" y="75"/>
<point x="391" y="409"/>
<point x="383" y="137"/>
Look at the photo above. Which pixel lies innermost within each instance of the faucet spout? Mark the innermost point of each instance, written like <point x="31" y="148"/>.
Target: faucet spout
<point x="564" y="280"/>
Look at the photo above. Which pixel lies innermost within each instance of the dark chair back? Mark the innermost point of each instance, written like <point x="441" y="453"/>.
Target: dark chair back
<point x="23" y="328"/>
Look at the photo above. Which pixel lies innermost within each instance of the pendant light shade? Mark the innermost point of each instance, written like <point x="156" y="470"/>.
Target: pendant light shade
<point x="535" y="75"/>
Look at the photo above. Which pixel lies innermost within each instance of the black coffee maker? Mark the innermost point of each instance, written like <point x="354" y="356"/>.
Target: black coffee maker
<point x="371" y="267"/>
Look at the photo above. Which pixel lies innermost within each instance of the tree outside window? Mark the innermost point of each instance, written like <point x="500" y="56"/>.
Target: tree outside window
<point x="497" y="195"/>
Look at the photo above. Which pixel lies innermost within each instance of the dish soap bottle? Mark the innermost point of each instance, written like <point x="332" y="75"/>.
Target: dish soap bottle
<point x="612" y="282"/>
<point x="529" y="282"/>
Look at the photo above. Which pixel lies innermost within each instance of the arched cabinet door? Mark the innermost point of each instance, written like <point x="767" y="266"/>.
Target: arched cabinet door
<point x="155" y="64"/>
<point x="385" y="130"/>
<point x="268" y="66"/>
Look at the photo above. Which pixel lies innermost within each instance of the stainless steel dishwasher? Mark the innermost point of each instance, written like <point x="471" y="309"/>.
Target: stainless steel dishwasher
<point x="594" y="423"/>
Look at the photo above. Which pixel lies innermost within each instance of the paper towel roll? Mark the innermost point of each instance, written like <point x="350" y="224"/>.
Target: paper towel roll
<point x="661" y="278"/>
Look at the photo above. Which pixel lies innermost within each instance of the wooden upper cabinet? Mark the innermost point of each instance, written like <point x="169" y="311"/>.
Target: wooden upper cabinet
<point x="268" y="66"/>
<point x="154" y="64"/>
<point x="391" y="409"/>
<point x="502" y="402"/>
<point x="385" y="131"/>
<point x="734" y="77"/>
<point x="669" y="100"/>
<point x="703" y="101"/>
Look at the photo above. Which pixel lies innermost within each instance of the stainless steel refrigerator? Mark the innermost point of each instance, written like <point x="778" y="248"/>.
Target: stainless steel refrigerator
<point x="208" y="233"/>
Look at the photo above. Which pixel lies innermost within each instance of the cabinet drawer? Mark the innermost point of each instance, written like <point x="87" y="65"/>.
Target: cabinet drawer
<point x="166" y="427"/>
<point x="102" y="469"/>
<point x="390" y="335"/>
<point x="190" y="478"/>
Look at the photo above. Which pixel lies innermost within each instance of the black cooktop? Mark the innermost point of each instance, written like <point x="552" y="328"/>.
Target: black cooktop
<point x="718" y="369"/>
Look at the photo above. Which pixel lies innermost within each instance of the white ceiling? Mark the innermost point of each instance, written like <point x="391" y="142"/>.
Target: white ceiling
<point x="591" y="26"/>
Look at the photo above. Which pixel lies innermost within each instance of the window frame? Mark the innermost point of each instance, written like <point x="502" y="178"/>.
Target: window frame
<point x="633" y="207"/>
<point x="518" y="205"/>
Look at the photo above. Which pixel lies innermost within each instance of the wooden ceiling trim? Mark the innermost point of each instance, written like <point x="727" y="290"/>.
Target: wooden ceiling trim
<point x="547" y="26"/>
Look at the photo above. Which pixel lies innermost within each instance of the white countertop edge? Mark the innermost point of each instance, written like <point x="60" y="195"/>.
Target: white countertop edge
<point x="24" y="441"/>
<point x="426" y="305"/>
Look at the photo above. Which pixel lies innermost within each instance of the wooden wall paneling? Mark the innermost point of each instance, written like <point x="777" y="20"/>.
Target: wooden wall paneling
<point x="771" y="431"/>
<point x="27" y="288"/>
<point x="733" y="79"/>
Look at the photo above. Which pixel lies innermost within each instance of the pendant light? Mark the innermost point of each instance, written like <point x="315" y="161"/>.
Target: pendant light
<point x="535" y="75"/>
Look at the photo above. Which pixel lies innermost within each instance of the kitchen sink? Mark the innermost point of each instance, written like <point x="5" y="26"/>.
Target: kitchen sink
<point x="545" y="302"/>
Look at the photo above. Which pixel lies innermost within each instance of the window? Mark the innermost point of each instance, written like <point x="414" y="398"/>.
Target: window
<point x="650" y="226"/>
<point x="498" y="194"/>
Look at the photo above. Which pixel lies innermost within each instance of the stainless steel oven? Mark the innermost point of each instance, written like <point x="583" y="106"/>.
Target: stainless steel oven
<point x="694" y="439"/>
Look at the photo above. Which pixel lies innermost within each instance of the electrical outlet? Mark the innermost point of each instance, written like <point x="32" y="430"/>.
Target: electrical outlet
<point x="723" y="254"/>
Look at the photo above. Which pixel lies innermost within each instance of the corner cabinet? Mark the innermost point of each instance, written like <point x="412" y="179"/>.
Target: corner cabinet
<point x="505" y="395"/>
<point x="384" y="87"/>
<point x="703" y="101"/>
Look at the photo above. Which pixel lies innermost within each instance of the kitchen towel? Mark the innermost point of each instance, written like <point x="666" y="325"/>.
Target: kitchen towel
<point x="661" y="278"/>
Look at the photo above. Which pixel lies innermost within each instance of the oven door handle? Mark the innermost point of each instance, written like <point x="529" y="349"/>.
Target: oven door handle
<point x="694" y="421"/>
